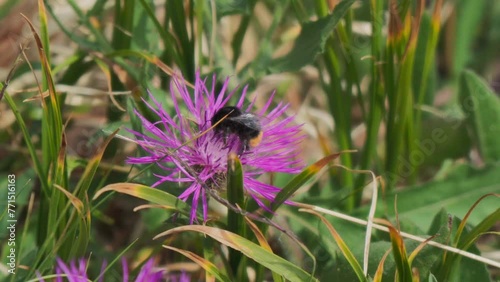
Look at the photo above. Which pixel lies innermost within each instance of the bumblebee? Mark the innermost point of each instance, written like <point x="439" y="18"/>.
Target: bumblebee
<point x="244" y="125"/>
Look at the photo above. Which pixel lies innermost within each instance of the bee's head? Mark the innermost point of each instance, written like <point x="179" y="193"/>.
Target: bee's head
<point x="229" y="111"/>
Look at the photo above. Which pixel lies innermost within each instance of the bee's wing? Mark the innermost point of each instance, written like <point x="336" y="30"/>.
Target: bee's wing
<point x="248" y="120"/>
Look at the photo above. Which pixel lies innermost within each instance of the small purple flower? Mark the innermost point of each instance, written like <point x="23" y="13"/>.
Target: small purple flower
<point x="147" y="273"/>
<point x="179" y="277"/>
<point x="78" y="273"/>
<point x="207" y="155"/>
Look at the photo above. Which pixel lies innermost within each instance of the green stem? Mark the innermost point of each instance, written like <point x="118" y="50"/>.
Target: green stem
<point x="376" y="94"/>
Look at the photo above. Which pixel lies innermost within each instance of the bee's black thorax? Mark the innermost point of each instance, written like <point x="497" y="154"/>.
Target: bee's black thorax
<point x="245" y="125"/>
<point x="220" y="114"/>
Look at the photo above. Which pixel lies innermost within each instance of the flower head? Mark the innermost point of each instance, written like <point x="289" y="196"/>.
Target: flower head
<point x="206" y="155"/>
<point x="147" y="273"/>
<point x="77" y="271"/>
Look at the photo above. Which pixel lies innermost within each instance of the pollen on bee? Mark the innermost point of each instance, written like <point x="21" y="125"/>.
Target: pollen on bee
<point x="254" y="142"/>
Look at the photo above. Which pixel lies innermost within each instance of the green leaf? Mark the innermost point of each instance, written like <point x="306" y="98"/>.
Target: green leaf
<point x="400" y="256"/>
<point x="423" y="81"/>
<point x="453" y="267"/>
<point x="432" y="278"/>
<point x="37" y="164"/>
<point x="230" y="7"/>
<point x="262" y="256"/>
<point x="440" y="139"/>
<point x="235" y="193"/>
<point x="204" y="263"/>
<point x="153" y="195"/>
<point x="486" y="224"/>
<point x="318" y="238"/>
<point x="23" y="188"/>
<point x="457" y="193"/>
<point x="300" y="180"/>
<point x="235" y="196"/>
<point x="466" y="269"/>
<point x="482" y="109"/>
<point x="91" y="168"/>
<point x="311" y="41"/>
<point x="346" y="251"/>
<point x="469" y="16"/>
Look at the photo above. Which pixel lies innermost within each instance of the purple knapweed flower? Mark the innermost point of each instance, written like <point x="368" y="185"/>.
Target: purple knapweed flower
<point x="207" y="154"/>
<point x="148" y="272"/>
<point x="77" y="272"/>
<point x="179" y="277"/>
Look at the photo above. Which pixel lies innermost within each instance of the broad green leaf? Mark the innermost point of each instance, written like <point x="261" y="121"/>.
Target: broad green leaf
<point x="457" y="193"/>
<point x="440" y="139"/>
<point x="441" y="225"/>
<point x="482" y="109"/>
<point x="259" y="254"/>
<point x="311" y="41"/>
<point x="468" y="270"/>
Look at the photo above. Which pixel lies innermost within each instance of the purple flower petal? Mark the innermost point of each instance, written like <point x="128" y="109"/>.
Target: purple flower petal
<point x="78" y="273"/>
<point x="125" y="269"/>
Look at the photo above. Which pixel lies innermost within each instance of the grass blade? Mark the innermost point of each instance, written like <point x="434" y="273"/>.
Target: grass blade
<point x="273" y="262"/>
<point x="342" y="245"/>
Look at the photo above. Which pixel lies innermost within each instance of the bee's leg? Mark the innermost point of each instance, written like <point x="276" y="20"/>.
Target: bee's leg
<point x="243" y="147"/>
<point x="226" y="136"/>
<point x="221" y="136"/>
